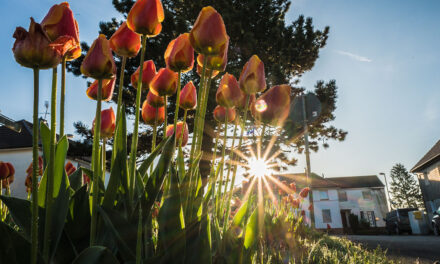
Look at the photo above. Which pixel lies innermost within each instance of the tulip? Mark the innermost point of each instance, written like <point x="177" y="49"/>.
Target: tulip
<point x="295" y="203"/>
<point x="252" y="78"/>
<point x="70" y="168"/>
<point x="179" y="55"/>
<point x="200" y="69"/>
<point x="310" y="207"/>
<point x="28" y="183"/>
<point x="208" y="35"/>
<point x="148" y="73"/>
<point x="303" y="213"/>
<point x="329" y="226"/>
<point x="40" y="167"/>
<point x="228" y="93"/>
<point x="242" y="103"/>
<point x="164" y="83"/>
<point x="154" y="100"/>
<point x="59" y="22"/>
<point x="99" y="63"/>
<point x="4" y="170"/>
<point x="304" y="192"/>
<point x="150" y="114"/>
<point x="188" y="97"/>
<point x="293" y="187"/>
<point x="221" y="113"/>
<point x="107" y="89"/>
<point x="108" y="123"/>
<point x="215" y="62"/>
<point x="31" y="49"/>
<point x="180" y="126"/>
<point x="145" y="17"/>
<point x="7" y="182"/>
<point x="7" y="172"/>
<point x="125" y="42"/>
<point x="273" y="106"/>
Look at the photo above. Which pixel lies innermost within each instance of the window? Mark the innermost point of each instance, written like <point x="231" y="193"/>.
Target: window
<point x="367" y="195"/>
<point x="326" y="216"/>
<point x="323" y="195"/>
<point x="342" y="195"/>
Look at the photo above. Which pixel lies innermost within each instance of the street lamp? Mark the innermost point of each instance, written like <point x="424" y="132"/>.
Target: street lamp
<point x="388" y="194"/>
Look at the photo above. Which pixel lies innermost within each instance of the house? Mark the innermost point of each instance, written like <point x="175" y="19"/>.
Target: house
<point x="427" y="170"/>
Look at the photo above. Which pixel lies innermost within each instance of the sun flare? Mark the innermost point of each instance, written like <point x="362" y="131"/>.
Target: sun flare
<point x="258" y="168"/>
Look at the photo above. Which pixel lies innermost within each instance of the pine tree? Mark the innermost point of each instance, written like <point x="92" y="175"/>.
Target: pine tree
<point x="405" y="190"/>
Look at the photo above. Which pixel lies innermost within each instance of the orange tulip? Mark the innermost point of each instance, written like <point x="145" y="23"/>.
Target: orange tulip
<point x="292" y="186"/>
<point x="108" y="123"/>
<point x="273" y="106"/>
<point x="179" y="55"/>
<point x="208" y="35"/>
<point x="164" y="83"/>
<point x="180" y="126"/>
<point x="69" y="168"/>
<point x="228" y="93"/>
<point x="145" y="17"/>
<point x="149" y="114"/>
<point x="188" y="97"/>
<point x="32" y="49"/>
<point x="125" y="42"/>
<point x="59" y="22"/>
<point x="154" y="100"/>
<point x="295" y="203"/>
<point x="304" y="192"/>
<point x="252" y="78"/>
<point x="108" y="86"/>
<point x="199" y="71"/>
<point x="99" y="63"/>
<point x="148" y="73"/>
<point x="216" y="62"/>
<point x="221" y="112"/>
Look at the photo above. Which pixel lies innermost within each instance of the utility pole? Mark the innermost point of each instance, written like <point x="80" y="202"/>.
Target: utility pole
<point x="308" y="169"/>
<point x="388" y="193"/>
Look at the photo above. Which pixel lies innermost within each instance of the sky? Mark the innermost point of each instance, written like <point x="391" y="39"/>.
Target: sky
<point x="383" y="55"/>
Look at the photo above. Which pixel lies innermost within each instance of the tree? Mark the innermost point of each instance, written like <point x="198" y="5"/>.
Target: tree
<point x="254" y="27"/>
<point x="404" y="188"/>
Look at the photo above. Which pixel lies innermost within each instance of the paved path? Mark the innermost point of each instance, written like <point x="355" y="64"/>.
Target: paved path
<point x="406" y="248"/>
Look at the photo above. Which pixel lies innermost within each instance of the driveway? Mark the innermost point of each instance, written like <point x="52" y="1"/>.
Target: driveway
<point x="405" y="248"/>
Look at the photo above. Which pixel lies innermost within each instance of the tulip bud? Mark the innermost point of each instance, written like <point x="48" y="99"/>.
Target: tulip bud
<point x="108" y="86"/>
<point x="7" y="182"/>
<point x="164" y="83"/>
<point x="216" y="62"/>
<point x="292" y="187"/>
<point x="149" y="114"/>
<point x="179" y="55"/>
<point x="148" y="73"/>
<point x="125" y="42"/>
<point x="69" y="168"/>
<point x="208" y="35"/>
<point x="154" y="100"/>
<point x="4" y="170"/>
<point x="228" y="93"/>
<point x="180" y="126"/>
<point x="242" y="103"/>
<point x="108" y="123"/>
<point x="145" y="17"/>
<point x="28" y="183"/>
<point x="31" y="49"/>
<point x="221" y="112"/>
<point x="188" y="97"/>
<point x="200" y="69"/>
<point x="40" y="167"/>
<point x="273" y="106"/>
<point x="295" y="203"/>
<point x="304" y="192"/>
<point x="252" y="78"/>
<point x="59" y="22"/>
<point x="99" y="63"/>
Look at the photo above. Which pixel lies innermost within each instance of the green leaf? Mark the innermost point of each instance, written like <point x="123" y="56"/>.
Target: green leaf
<point x="147" y="162"/>
<point x="96" y="254"/>
<point x="199" y="242"/>
<point x="181" y="166"/>
<point x="251" y="230"/>
<point x="76" y="179"/>
<point x="239" y="216"/>
<point x="45" y="141"/>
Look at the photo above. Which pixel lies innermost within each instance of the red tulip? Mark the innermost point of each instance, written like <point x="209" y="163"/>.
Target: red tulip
<point x="252" y="78"/>
<point x="145" y="17"/>
<point x="108" y="123"/>
<point x="154" y="100"/>
<point x="108" y="86"/>
<point x="28" y="183"/>
<point x="7" y="172"/>
<point x="7" y="182"/>
<point x="228" y="93"/>
<point x="179" y="55"/>
<point x="40" y="167"/>
<point x="59" y="22"/>
<point x="310" y="207"/>
<point x="242" y="103"/>
<point x="304" y="192"/>
<point x="199" y="71"/>
<point x="32" y="49"/>
<point x="215" y="62"/>
<point x="221" y="112"/>
<point x="273" y="106"/>
<point x="148" y="73"/>
<point x="180" y="126"/>
<point x="329" y="226"/>
<point x="295" y="203"/>
<point x="303" y="213"/>
<point x="125" y="42"/>
<point x="69" y="168"/>
<point x="293" y="187"/>
<point x="188" y="97"/>
<point x="99" y="63"/>
<point x="149" y="114"/>
<point x="208" y="35"/>
<point x="164" y="83"/>
<point x="4" y="170"/>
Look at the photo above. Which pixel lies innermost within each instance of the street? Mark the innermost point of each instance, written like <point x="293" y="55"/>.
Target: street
<point x="404" y="248"/>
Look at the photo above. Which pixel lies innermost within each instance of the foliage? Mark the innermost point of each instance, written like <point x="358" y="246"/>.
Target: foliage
<point x="405" y="190"/>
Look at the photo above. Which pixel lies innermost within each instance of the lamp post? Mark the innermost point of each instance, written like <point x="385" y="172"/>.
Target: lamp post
<point x="388" y="194"/>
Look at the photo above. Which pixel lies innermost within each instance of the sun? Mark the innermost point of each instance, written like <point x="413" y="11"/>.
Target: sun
<point x="258" y="168"/>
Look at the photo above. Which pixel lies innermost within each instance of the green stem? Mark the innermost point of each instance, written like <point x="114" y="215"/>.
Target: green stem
<point x="35" y="168"/>
<point x="181" y="134"/>
<point x="51" y="168"/>
<point x="231" y="156"/>
<point x="121" y="87"/>
<point x="63" y="95"/>
<point x="139" y="237"/>
<point x="176" y="113"/>
<point x="134" y="141"/>
<point x="96" y="167"/>
<point x="225" y="138"/>
<point x="165" y="122"/>
<point x="153" y="143"/>
<point x="204" y="102"/>
<point x="104" y="158"/>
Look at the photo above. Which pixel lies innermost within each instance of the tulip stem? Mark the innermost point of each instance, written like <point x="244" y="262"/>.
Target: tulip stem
<point x="121" y="87"/>
<point x="96" y="167"/>
<point x="231" y="158"/>
<point x="134" y="141"/>
<point x="225" y="138"/>
<point x="153" y="142"/>
<point x="176" y="114"/>
<point x="63" y="95"/>
<point x="165" y="123"/>
<point x="104" y="158"/>
<point x="34" y="227"/>
<point x="205" y="96"/>
<point x="51" y="168"/>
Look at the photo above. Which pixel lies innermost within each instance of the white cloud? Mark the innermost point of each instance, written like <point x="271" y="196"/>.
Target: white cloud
<point x="354" y="56"/>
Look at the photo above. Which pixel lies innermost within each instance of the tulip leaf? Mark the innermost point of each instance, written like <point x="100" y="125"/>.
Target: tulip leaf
<point x="251" y="231"/>
<point x="76" y="179"/>
<point x="45" y="141"/>
<point x="199" y="241"/>
<point x="96" y="255"/>
<point x="181" y="166"/>
<point x="241" y="213"/>
<point x="149" y="160"/>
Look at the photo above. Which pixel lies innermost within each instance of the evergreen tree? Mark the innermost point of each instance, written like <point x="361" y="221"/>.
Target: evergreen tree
<point x="405" y="190"/>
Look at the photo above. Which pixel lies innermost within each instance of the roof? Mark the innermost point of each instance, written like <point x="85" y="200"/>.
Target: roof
<point x="11" y="139"/>
<point x="431" y="156"/>
<point x="368" y="181"/>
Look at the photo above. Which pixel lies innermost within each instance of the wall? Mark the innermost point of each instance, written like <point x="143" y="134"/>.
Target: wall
<point x="332" y="204"/>
<point x="429" y="182"/>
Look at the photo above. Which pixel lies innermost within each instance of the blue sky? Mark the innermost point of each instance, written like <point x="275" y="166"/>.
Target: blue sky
<point x="383" y="54"/>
